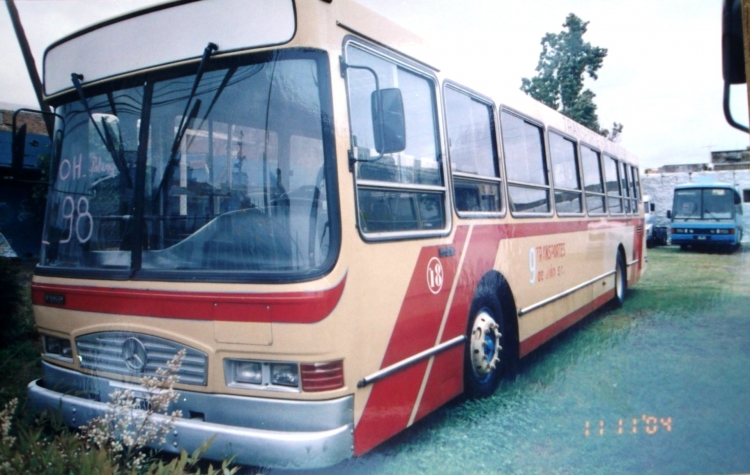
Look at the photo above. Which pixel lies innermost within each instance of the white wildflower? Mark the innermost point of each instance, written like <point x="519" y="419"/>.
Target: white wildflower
<point x="129" y="424"/>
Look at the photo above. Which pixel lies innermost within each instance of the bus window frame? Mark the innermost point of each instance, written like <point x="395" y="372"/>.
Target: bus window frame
<point x="618" y="196"/>
<point x="497" y="148"/>
<point x="636" y="176"/>
<point x="579" y="170"/>
<point x="625" y="188"/>
<point x="545" y="153"/>
<point x="392" y="56"/>
<point x="602" y="183"/>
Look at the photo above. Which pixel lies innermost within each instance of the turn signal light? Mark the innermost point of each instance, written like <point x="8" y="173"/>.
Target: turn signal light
<point x="322" y="376"/>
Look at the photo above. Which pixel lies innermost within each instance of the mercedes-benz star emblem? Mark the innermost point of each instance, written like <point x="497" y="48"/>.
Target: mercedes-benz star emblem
<point x="134" y="354"/>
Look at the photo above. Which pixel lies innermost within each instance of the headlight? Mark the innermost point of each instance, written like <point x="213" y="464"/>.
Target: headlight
<point x="284" y="374"/>
<point x="265" y="375"/>
<point x="57" y="347"/>
<point x="248" y="372"/>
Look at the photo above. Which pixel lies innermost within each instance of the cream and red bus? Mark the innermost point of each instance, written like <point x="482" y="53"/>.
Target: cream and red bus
<point x="340" y="236"/>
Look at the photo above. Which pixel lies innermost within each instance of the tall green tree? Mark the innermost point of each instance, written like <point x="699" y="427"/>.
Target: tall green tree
<point x="563" y="63"/>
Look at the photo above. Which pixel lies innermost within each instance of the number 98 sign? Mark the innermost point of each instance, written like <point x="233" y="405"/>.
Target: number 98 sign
<point x="79" y="219"/>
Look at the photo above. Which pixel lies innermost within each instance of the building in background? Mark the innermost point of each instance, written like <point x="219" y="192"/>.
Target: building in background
<point x="725" y="167"/>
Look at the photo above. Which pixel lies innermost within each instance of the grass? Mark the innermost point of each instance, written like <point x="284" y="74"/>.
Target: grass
<point x="677" y="286"/>
<point x="19" y="342"/>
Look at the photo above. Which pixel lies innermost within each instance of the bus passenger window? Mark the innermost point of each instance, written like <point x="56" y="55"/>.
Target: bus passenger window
<point x="565" y="175"/>
<point x="401" y="191"/>
<point x="526" y="167"/>
<point x="471" y="142"/>
<point x="611" y="172"/>
<point x="593" y="182"/>
<point x="636" y="189"/>
<point x="625" y="187"/>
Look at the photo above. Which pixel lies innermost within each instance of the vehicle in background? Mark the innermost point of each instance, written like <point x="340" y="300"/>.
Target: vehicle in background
<point x="22" y="180"/>
<point x="706" y="215"/>
<point x="655" y="235"/>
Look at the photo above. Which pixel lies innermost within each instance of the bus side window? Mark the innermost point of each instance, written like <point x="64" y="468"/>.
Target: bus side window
<point x="612" y="177"/>
<point x="473" y="152"/>
<point x="636" y="186"/>
<point x="526" y="166"/>
<point x="565" y="174"/>
<point x="400" y="191"/>
<point x="625" y="187"/>
<point x="593" y="181"/>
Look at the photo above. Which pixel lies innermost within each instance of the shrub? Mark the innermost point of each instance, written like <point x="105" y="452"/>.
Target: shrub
<point x="14" y="321"/>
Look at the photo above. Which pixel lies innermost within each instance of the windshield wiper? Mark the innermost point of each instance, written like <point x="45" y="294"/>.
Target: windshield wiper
<point x="108" y="141"/>
<point x="712" y="215"/>
<point x="186" y="120"/>
<point x="221" y="88"/>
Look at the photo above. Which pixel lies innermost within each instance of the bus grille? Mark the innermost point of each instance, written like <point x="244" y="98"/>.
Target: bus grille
<point x="139" y="355"/>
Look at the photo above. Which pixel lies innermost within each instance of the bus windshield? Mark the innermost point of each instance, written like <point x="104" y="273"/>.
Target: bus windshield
<point x="703" y="203"/>
<point x="237" y="184"/>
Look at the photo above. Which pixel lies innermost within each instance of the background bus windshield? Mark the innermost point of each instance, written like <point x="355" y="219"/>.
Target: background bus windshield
<point x="712" y="203"/>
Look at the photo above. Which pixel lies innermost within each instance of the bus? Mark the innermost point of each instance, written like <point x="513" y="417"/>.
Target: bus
<point x="706" y="214"/>
<point x="339" y="235"/>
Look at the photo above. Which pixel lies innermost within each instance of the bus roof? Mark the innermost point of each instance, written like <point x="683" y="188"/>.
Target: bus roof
<point x="705" y="184"/>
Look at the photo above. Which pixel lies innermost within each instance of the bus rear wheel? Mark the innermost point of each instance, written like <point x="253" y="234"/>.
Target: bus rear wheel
<point x="485" y="357"/>
<point x="621" y="281"/>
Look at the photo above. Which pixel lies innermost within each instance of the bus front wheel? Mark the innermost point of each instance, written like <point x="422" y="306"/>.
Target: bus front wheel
<point x="485" y="359"/>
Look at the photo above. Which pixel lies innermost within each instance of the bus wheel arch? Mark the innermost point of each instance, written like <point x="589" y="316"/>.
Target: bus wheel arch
<point x="491" y="352"/>
<point x="621" y="277"/>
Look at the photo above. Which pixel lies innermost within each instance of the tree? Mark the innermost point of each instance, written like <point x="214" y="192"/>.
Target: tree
<point x="564" y="60"/>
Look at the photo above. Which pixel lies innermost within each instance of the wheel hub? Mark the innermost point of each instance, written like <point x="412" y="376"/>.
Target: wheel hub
<point x="485" y="344"/>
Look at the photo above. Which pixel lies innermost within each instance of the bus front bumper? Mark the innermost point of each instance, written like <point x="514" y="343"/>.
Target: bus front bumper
<point x="704" y="239"/>
<point x="319" y="433"/>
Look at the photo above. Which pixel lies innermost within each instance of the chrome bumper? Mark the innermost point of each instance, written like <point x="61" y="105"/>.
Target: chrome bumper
<point x="255" y="431"/>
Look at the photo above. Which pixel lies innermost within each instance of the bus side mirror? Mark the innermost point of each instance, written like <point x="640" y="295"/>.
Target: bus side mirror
<point x="732" y="44"/>
<point x="18" y="150"/>
<point x="669" y="214"/>
<point x="388" y="122"/>
<point x="652" y="207"/>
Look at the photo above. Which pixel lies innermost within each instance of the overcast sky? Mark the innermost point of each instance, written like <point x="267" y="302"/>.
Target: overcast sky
<point x="661" y="78"/>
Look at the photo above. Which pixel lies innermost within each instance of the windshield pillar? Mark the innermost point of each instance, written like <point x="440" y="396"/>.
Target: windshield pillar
<point x="140" y="179"/>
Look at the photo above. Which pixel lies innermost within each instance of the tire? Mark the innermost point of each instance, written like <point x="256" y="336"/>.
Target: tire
<point x="621" y="281"/>
<point x="486" y="357"/>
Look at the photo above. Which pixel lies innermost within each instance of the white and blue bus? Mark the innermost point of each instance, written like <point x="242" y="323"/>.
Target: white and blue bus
<point x="706" y="215"/>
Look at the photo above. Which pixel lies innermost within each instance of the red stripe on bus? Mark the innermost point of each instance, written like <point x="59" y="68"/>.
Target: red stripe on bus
<point x="446" y="376"/>
<point x="538" y="339"/>
<point x="392" y="400"/>
<point x="284" y="307"/>
<point x="446" y="381"/>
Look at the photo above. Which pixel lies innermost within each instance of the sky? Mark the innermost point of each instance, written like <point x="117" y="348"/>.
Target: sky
<point x="661" y="77"/>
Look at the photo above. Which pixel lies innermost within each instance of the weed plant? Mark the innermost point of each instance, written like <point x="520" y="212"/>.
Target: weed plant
<point x="113" y="444"/>
<point x="48" y="447"/>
